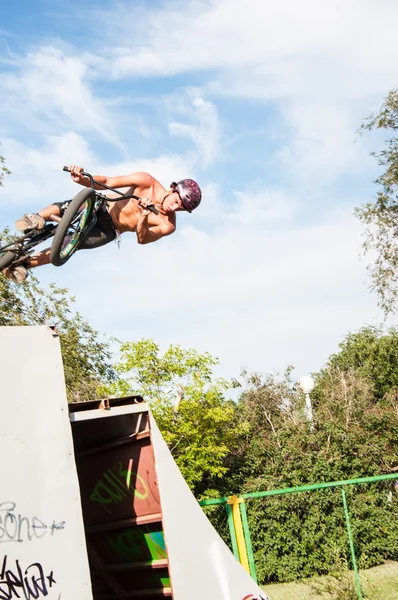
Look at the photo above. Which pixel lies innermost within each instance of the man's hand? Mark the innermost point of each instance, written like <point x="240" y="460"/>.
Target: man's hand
<point x="142" y="204"/>
<point x="76" y="174"/>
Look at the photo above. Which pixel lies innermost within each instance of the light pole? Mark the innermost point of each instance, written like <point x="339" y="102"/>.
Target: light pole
<point x="307" y="384"/>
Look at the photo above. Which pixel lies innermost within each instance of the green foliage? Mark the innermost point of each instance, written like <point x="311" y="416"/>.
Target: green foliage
<point x="3" y="170"/>
<point x="273" y="407"/>
<point x="373" y="354"/>
<point x="296" y="536"/>
<point x="339" y="585"/>
<point x="204" y="428"/>
<point x="354" y="435"/>
<point x="292" y="545"/>
<point x="380" y="216"/>
<point x="86" y="357"/>
<point x="200" y="436"/>
<point x="378" y="583"/>
<point x="144" y="372"/>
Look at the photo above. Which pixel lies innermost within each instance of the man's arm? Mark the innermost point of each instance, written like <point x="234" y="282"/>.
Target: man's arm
<point x="121" y="181"/>
<point x="147" y="234"/>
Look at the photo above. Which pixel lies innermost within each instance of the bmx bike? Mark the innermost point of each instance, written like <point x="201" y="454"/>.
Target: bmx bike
<point x="78" y="219"/>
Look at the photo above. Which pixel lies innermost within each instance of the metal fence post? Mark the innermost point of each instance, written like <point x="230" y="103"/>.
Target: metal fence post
<point x="234" y="501"/>
<point x="249" y="547"/>
<point x="232" y="530"/>
<point x="351" y="541"/>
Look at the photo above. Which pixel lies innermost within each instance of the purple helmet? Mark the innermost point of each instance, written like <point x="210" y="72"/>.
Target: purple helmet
<point x="189" y="192"/>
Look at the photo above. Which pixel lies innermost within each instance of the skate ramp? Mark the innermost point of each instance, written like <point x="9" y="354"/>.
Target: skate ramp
<point x="147" y="536"/>
<point x="92" y="504"/>
<point x="42" y="541"/>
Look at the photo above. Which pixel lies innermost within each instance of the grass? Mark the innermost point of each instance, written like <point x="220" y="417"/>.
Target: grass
<point x="378" y="583"/>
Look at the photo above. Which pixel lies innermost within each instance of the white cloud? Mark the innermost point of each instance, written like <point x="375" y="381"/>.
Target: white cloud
<point x="282" y="43"/>
<point x="164" y="168"/>
<point x="325" y="65"/>
<point x="257" y="209"/>
<point x="321" y="146"/>
<point x="50" y="89"/>
<point x="37" y="177"/>
<point x="322" y="64"/>
<point x="205" y="133"/>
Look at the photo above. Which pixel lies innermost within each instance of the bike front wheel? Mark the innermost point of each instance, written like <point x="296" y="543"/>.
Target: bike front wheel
<point x="76" y="218"/>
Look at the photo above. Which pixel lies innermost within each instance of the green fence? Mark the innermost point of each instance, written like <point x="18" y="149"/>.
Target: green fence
<point x="338" y="530"/>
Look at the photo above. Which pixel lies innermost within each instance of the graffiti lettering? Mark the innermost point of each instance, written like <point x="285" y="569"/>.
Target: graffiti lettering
<point x="116" y="484"/>
<point x="30" y="583"/>
<point x="15" y="527"/>
<point x="133" y="544"/>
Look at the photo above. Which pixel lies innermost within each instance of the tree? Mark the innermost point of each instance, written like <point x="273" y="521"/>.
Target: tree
<point x="353" y="435"/>
<point x="380" y="216"/>
<point x="3" y="170"/>
<point x="86" y="356"/>
<point x="372" y="353"/>
<point x="205" y="428"/>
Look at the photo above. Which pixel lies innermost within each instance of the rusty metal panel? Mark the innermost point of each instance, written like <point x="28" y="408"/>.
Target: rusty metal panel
<point x="119" y="483"/>
<point x="121" y="503"/>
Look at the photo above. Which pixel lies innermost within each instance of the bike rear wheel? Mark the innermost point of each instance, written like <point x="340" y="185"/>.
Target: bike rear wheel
<point x="72" y="225"/>
<point x="7" y="259"/>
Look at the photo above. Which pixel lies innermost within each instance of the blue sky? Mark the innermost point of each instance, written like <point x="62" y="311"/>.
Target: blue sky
<point x="261" y="104"/>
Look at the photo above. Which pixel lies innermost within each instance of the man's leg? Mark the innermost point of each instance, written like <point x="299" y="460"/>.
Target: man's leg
<point x="102" y="233"/>
<point x="38" y="220"/>
<point x="34" y="221"/>
<point x="43" y="257"/>
<point x="20" y="273"/>
<point x="39" y="259"/>
<point x="57" y="209"/>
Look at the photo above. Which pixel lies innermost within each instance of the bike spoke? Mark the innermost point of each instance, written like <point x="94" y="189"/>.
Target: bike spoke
<point x="75" y="229"/>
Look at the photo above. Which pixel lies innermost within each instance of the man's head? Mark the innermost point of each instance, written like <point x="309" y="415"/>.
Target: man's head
<point x="183" y="195"/>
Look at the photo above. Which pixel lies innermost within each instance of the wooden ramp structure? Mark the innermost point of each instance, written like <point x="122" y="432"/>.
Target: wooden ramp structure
<point x="92" y="504"/>
<point x="120" y="500"/>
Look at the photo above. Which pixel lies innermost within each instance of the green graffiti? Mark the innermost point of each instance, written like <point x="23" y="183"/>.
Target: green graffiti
<point x="156" y="544"/>
<point x="116" y="484"/>
<point x="155" y="578"/>
<point x="136" y="544"/>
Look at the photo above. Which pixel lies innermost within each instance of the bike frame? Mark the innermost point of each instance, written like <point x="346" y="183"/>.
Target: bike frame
<point x="23" y="248"/>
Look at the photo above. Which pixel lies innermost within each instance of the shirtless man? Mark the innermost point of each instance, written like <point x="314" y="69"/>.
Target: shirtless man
<point x="118" y="217"/>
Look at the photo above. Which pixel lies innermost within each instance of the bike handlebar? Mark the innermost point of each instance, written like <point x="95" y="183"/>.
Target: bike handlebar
<point x="125" y="196"/>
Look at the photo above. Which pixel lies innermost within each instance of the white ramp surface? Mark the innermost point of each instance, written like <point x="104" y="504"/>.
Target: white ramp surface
<point x="42" y="544"/>
<point x="201" y="566"/>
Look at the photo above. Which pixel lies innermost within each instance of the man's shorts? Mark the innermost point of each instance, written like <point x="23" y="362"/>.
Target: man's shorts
<point x="102" y="233"/>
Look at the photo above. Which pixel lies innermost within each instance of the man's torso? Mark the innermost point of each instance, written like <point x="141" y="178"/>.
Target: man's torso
<point x="125" y="213"/>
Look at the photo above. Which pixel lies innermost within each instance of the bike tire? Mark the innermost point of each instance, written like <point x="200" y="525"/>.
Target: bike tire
<point x="7" y="259"/>
<point x="58" y="253"/>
